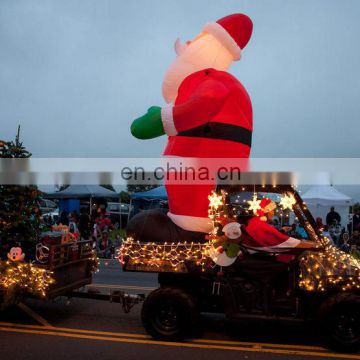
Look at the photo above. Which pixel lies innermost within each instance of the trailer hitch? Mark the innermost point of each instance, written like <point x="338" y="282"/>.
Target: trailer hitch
<point x="127" y="301"/>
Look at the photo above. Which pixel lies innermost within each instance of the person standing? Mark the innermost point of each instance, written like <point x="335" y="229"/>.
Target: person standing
<point x="84" y="224"/>
<point x="331" y="216"/>
<point x="356" y="220"/>
<point x="64" y="219"/>
<point x="355" y="239"/>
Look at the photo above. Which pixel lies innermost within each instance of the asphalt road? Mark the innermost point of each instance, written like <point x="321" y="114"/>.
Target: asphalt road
<point x="89" y="329"/>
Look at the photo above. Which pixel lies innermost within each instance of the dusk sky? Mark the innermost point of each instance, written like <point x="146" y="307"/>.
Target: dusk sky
<point x="75" y="74"/>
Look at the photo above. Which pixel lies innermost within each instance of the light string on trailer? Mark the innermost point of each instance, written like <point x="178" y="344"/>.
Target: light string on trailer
<point x="25" y="276"/>
<point x="157" y="256"/>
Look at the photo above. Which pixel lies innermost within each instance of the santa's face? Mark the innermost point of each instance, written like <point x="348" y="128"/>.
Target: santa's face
<point x="205" y="51"/>
<point x="270" y="214"/>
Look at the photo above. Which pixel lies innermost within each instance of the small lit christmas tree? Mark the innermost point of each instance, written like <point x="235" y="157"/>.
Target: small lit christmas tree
<point x="19" y="209"/>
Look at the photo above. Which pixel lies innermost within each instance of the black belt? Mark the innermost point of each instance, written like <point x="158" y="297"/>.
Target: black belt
<point x="221" y="131"/>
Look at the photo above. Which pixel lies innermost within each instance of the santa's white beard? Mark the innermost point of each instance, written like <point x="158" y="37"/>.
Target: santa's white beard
<point x="177" y="72"/>
<point x="206" y="52"/>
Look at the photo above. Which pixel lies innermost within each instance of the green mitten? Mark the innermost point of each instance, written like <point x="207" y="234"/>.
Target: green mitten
<point x="148" y="126"/>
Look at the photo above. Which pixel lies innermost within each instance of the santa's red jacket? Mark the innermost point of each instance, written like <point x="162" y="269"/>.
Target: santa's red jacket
<point x="211" y="118"/>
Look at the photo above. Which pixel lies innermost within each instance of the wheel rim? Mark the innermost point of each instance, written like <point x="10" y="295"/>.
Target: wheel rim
<point x="167" y="318"/>
<point x="347" y="327"/>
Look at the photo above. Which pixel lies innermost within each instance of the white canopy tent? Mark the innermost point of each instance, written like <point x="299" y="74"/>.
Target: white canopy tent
<point x="320" y="198"/>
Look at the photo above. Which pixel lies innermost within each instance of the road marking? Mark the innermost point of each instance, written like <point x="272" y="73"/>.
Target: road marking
<point x="72" y="330"/>
<point x="184" y="344"/>
<point x="280" y="346"/>
<point x="143" y="336"/>
<point x="52" y="331"/>
<point x="33" y="314"/>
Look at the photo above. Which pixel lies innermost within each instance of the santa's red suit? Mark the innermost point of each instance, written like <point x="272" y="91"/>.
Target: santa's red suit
<point x="211" y="118"/>
<point x="208" y="116"/>
<point x="258" y="235"/>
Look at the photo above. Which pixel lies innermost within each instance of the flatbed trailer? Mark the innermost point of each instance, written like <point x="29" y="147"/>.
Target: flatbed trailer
<point x="71" y="265"/>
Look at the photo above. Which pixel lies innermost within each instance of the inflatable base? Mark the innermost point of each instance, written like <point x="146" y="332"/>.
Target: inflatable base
<point x="155" y="226"/>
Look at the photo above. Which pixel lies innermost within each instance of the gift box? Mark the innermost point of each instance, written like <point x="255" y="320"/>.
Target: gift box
<point x="74" y="252"/>
<point x="51" y="238"/>
<point x="63" y="237"/>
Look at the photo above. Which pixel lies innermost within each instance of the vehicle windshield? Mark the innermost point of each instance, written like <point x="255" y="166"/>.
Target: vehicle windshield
<point x="289" y="213"/>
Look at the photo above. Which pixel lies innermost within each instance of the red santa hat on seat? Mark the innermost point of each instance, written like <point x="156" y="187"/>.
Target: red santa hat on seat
<point x="266" y="205"/>
<point x="233" y="31"/>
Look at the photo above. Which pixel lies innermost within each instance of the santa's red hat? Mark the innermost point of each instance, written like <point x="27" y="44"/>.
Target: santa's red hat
<point x="266" y="205"/>
<point x="233" y="31"/>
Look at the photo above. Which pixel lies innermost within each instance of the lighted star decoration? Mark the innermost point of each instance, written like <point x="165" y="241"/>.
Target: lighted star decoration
<point x="287" y="202"/>
<point x="215" y="200"/>
<point x="254" y="204"/>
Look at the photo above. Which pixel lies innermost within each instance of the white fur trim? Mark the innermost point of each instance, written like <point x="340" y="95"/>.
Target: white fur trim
<point x="289" y="243"/>
<point x="192" y="223"/>
<point x="224" y="37"/>
<point x="283" y="247"/>
<point x="168" y="120"/>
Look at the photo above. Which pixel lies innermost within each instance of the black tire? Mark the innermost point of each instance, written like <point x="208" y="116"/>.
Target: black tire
<point x="170" y="313"/>
<point x="340" y="323"/>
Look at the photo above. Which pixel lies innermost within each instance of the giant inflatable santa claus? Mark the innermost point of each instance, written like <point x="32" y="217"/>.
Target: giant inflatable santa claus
<point x="208" y="113"/>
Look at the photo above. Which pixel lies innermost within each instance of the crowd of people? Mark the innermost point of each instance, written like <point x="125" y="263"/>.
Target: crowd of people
<point x="345" y="238"/>
<point x="96" y="225"/>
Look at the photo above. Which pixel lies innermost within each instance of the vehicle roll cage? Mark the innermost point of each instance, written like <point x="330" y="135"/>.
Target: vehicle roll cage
<point x="300" y="209"/>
